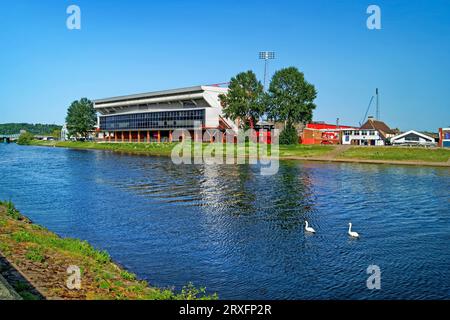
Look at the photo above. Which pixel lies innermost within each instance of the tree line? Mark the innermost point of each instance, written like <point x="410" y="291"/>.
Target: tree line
<point x="35" y="129"/>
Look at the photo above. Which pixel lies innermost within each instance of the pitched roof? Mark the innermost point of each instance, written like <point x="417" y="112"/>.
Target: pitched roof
<point x="414" y="133"/>
<point x="372" y="124"/>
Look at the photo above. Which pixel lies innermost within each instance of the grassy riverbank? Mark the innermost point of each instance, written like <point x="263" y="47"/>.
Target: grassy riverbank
<point x="153" y="149"/>
<point x="397" y="154"/>
<point x="165" y="149"/>
<point x="302" y="152"/>
<point x="43" y="258"/>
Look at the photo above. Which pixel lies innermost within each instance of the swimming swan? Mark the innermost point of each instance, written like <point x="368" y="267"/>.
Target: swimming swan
<point x="309" y="229"/>
<point x="351" y="233"/>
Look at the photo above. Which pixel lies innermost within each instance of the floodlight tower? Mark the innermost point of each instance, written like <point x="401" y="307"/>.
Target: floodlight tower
<point x="266" y="56"/>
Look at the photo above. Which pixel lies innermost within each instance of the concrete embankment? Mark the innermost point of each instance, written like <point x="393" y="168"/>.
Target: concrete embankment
<point x="7" y="292"/>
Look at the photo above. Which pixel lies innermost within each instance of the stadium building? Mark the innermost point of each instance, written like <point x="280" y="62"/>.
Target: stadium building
<point x="153" y="116"/>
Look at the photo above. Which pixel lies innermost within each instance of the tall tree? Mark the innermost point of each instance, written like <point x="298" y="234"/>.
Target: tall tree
<point x="291" y="97"/>
<point x="81" y="118"/>
<point x="244" y="100"/>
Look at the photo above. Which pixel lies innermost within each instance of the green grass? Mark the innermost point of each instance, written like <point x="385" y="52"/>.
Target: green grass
<point x="11" y="210"/>
<point x="304" y="150"/>
<point x="165" y="149"/>
<point x="73" y="246"/>
<point x="285" y="151"/>
<point x="4" y="248"/>
<point x="25" y="243"/>
<point x="397" y="154"/>
<point x="127" y="275"/>
<point x="156" y="149"/>
<point x="35" y="254"/>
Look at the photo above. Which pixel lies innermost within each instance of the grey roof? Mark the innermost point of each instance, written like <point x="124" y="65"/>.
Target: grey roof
<point x="151" y="94"/>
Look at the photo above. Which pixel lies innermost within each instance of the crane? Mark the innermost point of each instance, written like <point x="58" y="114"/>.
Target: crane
<point x="368" y="108"/>
<point x="367" y="111"/>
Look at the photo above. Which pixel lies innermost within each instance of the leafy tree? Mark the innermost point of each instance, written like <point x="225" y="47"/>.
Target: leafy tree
<point x="56" y="134"/>
<point x="289" y="135"/>
<point x="25" y="138"/>
<point x="244" y="100"/>
<point x="81" y="118"/>
<point x="291" y="97"/>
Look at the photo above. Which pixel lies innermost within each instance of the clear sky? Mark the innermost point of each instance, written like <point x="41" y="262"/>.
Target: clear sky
<point x="127" y="47"/>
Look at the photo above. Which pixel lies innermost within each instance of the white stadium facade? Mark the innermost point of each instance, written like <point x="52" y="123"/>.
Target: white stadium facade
<point x="153" y="116"/>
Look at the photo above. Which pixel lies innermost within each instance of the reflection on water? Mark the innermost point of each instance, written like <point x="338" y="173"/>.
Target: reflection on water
<point x="241" y="234"/>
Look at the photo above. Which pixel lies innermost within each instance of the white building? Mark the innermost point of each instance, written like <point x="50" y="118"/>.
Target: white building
<point x="64" y="133"/>
<point x="362" y="137"/>
<point x="372" y="133"/>
<point x="413" y="138"/>
<point x="153" y="116"/>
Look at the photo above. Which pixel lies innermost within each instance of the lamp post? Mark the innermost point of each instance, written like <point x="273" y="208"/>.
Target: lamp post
<point x="266" y="56"/>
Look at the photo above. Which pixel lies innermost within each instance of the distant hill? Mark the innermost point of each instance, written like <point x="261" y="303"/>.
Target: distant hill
<point x="37" y="129"/>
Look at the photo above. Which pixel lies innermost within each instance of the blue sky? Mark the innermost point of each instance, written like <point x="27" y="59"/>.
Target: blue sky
<point x="127" y="47"/>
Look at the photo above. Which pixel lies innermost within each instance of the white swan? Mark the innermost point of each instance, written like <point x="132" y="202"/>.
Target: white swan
<point x="351" y="233"/>
<point x="309" y="229"/>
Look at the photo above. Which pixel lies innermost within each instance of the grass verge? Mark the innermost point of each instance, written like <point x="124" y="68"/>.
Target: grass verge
<point x="45" y="258"/>
<point x="165" y="149"/>
<point x="397" y="154"/>
<point x="410" y="154"/>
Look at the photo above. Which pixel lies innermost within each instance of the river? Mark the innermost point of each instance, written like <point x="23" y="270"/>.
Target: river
<point x="238" y="233"/>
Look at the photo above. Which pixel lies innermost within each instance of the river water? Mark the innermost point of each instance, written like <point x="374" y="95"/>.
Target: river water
<point x="241" y="234"/>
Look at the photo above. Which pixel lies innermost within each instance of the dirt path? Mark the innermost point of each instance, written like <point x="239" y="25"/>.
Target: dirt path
<point x="338" y="150"/>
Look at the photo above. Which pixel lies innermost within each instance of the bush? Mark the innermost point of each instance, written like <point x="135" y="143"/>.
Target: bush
<point x="35" y="254"/>
<point x="25" y="138"/>
<point x="11" y="210"/>
<point x="289" y="135"/>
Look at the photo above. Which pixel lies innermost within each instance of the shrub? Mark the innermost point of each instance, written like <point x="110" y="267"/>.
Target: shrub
<point x="25" y="138"/>
<point x="127" y="275"/>
<point x="190" y="292"/>
<point x="23" y="236"/>
<point x="35" y="254"/>
<point x="12" y="211"/>
<point x="289" y="135"/>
